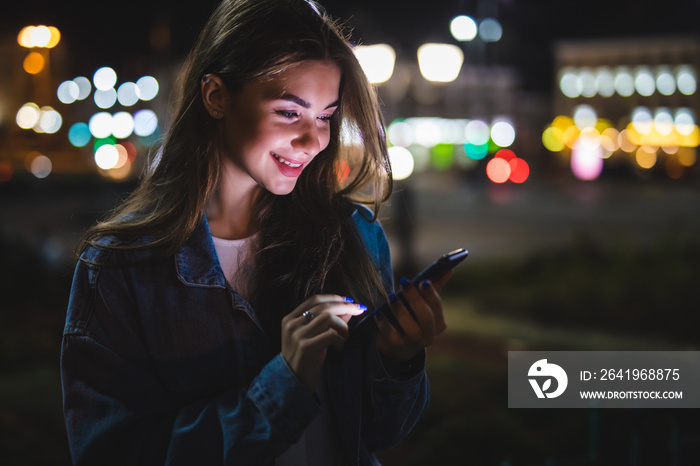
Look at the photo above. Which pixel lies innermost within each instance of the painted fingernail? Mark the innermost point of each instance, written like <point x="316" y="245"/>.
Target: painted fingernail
<point x="349" y="300"/>
<point x="393" y="298"/>
<point x="361" y="307"/>
<point x="405" y="283"/>
<point x="425" y="284"/>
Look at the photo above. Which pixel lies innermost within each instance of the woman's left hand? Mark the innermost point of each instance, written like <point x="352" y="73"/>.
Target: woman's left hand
<point x="417" y="319"/>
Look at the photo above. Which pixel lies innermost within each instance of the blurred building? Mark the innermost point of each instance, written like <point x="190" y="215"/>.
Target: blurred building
<point x="627" y="103"/>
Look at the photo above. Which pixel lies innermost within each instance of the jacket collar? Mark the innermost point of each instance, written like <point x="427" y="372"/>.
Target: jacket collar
<point x="196" y="261"/>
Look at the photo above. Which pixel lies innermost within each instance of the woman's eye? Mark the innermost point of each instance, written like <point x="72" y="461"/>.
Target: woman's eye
<point x="287" y="114"/>
<point x="325" y="118"/>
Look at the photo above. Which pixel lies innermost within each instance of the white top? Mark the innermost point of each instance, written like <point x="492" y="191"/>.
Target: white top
<point x="232" y="253"/>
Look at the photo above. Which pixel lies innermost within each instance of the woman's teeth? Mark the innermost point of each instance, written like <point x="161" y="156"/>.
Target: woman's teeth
<point x="286" y="162"/>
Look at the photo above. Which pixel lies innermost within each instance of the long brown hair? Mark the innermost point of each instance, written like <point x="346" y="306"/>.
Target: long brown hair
<point x="306" y="243"/>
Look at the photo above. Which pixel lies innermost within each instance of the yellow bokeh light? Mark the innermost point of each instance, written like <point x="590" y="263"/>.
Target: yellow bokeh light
<point x="624" y="141"/>
<point x="645" y="157"/>
<point x="553" y="139"/>
<point x="40" y="36"/>
<point x="562" y="122"/>
<point x="687" y="156"/>
<point x="571" y="136"/>
<point x="440" y="62"/>
<point x="55" y="37"/>
<point x="34" y="63"/>
<point x="24" y="38"/>
<point x="602" y="124"/>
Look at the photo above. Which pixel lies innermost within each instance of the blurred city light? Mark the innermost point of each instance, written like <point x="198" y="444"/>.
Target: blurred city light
<point x="128" y="94"/>
<point x="105" y="98"/>
<point x="463" y="28"/>
<point x="644" y="82"/>
<point x="84" y="87"/>
<point x="148" y="88"/>
<point x="502" y="133"/>
<point x="28" y="115"/>
<point x="105" y="78"/>
<point x="440" y="62"/>
<point x="490" y="30"/>
<point x="377" y="61"/>
<point x="584" y="116"/>
<point x="122" y="125"/>
<point x="685" y="80"/>
<point x="402" y="163"/>
<point x="106" y="156"/>
<point x="79" y="135"/>
<point x="498" y="170"/>
<point x="34" y="63"/>
<point x="68" y="92"/>
<point x="100" y="125"/>
<point x="39" y="36"/>
<point x="665" y="82"/>
<point x="145" y="122"/>
<point x="40" y="165"/>
<point x="50" y="121"/>
<point x="586" y="160"/>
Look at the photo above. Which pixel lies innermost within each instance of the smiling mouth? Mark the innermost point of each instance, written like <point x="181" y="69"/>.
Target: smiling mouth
<point x="286" y="162"/>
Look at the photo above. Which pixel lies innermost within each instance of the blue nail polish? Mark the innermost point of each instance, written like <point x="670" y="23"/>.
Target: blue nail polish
<point x="425" y="284"/>
<point x="405" y="283"/>
<point x="349" y="300"/>
<point x="393" y="298"/>
<point x="362" y="307"/>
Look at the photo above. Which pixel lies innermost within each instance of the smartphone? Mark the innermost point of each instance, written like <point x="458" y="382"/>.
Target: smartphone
<point x="437" y="269"/>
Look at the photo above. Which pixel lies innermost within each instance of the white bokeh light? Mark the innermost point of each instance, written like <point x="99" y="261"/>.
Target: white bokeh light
<point x="104" y="78"/>
<point x="402" y="163"/>
<point x="377" y="61"/>
<point x="463" y="28"/>
<point x="440" y="62"/>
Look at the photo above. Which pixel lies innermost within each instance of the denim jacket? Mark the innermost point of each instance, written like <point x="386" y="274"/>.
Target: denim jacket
<point x="164" y="363"/>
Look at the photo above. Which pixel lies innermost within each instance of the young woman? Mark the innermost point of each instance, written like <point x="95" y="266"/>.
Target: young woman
<point x="210" y="316"/>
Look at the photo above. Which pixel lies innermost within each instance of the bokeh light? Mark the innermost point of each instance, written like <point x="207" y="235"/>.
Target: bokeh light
<point x="623" y="82"/>
<point x="665" y="82"/>
<point x="84" y="87"/>
<point x="553" y="139"/>
<point x="585" y="116"/>
<point x="28" y="115"/>
<point x="145" y="122"/>
<point x="122" y="125"/>
<point x="50" y="121"/>
<point x="68" y="92"/>
<point x="377" y="61"/>
<point x="148" y="87"/>
<point x="105" y="98"/>
<point x="477" y="132"/>
<point x="646" y="157"/>
<point x="34" y="63"/>
<point x="128" y="94"/>
<point x="463" y="28"/>
<point x="586" y="161"/>
<point x="644" y="82"/>
<point x="79" y="135"/>
<point x="589" y="86"/>
<point x="498" y="170"/>
<point x="402" y="163"/>
<point x="40" y="166"/>
<point x="569" y="84"/>
<point x="100" y="125"/>
<point x="605" y="82"/>
<point x="490" y="30"/>
<point x="440" y="62"/>
<point x="106" y="156"/>
<point x="400" y="134"/>
<point x="503" y="133"/>
<point x="685" y="80"/>
<point x="519" y="170"/>
<point x="104" y="78"/>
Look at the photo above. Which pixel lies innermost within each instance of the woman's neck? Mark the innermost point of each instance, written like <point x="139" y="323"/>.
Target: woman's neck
<point x="229" y="213"/>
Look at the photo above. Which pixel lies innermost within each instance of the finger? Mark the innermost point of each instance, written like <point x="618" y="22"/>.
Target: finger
<point x="432" y="298"/>
<point x="422" y="325"/>
<point x="320" y="324"/>
<point x="440" y="282"/>
<point x="292" y="320"/>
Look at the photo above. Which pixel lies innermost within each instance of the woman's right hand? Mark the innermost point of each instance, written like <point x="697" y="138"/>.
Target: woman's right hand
<point x="308" y="331"/>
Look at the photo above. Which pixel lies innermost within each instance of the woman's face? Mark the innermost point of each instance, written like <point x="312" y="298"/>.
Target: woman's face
<point x="273" y="129"/>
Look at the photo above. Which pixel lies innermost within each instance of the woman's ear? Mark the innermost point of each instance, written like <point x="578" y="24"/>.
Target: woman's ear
<point x="214" y="94"/>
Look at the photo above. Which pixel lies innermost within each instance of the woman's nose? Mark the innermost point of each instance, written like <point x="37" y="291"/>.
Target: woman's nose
<point x="307" y="139"/>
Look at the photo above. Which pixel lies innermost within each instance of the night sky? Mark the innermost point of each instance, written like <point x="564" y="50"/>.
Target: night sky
<point x="98" y="34"/>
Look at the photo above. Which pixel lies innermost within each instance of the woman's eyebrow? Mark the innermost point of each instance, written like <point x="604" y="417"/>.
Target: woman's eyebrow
<point x="299" y="101"/>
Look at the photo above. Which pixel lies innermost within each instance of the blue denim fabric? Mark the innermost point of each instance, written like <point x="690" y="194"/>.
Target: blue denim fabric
<point x="164" y="363"/>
